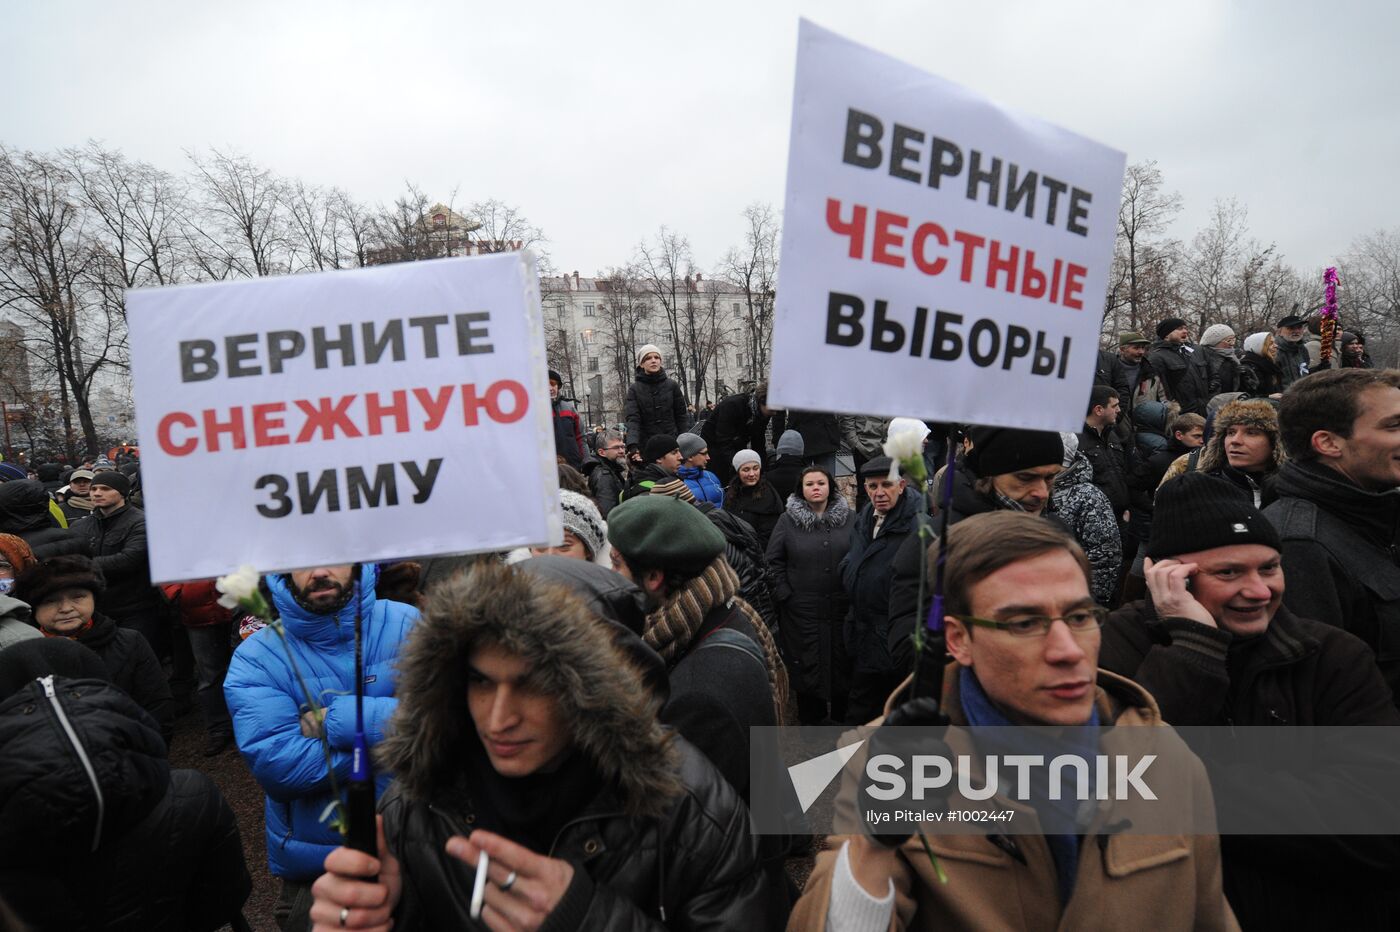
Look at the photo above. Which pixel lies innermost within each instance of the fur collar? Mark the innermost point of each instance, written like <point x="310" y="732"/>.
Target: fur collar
<point x="572" y="658"/>
<point x="836" y="514"/>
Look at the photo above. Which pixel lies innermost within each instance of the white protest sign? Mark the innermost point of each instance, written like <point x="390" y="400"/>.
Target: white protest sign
<point x="320" y="419"/>
<point x="942" y="257"/>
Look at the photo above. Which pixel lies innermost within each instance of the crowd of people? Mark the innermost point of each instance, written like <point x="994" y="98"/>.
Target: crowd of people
<point x="1217" y="546"/>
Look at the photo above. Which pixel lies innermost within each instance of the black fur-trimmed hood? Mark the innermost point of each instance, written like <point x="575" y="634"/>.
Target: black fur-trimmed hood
<point x="575" y="658"/>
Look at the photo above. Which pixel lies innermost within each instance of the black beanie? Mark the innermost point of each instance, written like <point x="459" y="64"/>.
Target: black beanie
<point x="997" y="451"/>
<point x="1197" y="512"/>
<point x="658" y="447"/>
<point x="1168" y="325"/>
<point x="27" y="660"/>
<point x="113" y="480"/>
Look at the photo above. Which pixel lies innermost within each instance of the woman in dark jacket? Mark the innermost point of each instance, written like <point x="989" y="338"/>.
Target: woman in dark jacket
<point x="62" y="594"/>
<point x="753" y="498"/>
<point x="804" y="561"/>
<point x="1260" y="375"/>
<point x="655" y="403"/>
<point x="96" y="831"/>
<point x="600" y="820"/>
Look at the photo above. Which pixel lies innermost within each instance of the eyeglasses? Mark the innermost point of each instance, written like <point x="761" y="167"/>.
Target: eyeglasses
<point x="614" y="447"/>
<point x="1034" y="626"/>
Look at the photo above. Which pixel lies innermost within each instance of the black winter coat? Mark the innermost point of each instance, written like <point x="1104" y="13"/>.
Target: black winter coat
<point x="695" y="868"/>
<point x="784" y="474"/>
<point x="735" y="424"/>
<point x="118" y="545"/>
<point x="168" y="856"/>
<point x="744" y="554"/>
<point x="134" y="669"/>
<point x="1260" y="376"/>
<point x="655" y="405"/>
<point x="804" y="562"/>
<point x="24" y="512"/>
<point x="1105" y="453"/>
<point x="1341" y="556"/>
<point x="821" y="433"/>
<point x="761" y="508"/>
<point x="1183" y="382"/>
<point x="606" y="481"/>
<point x="866" y="573"/>
<point x="1292" y="360"/>
<point x="1299" y="672"/>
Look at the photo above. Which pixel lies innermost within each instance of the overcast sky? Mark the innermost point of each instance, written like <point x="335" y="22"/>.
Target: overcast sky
<point x="604" y="120"/>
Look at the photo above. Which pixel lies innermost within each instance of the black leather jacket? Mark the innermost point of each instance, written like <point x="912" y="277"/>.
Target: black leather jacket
<point x="695" y="868"/>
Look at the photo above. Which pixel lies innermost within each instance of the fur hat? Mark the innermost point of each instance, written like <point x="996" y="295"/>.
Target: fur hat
<point x="690" y="444"/>
<point x="1169" y="325"/>
<point x="14" y="551"/>
<point x="42" y="580"/>
<point x="646" y="349"/>
<point x="582" y="517"/>
<point x="599" y="691"/>
<point x="744" y="457"/>
<point x="658" y="446"/>
<point x="1215" y="333"/>
<point x="1251" y="412"/>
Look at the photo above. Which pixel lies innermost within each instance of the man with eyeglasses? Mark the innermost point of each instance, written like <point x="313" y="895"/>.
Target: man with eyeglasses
<point x="1215" y="645"/>
<point x="607" y="472"/>
<point x="1023" y="632"/>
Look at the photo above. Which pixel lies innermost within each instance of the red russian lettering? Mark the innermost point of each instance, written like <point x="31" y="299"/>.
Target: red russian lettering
<point x="326" y="417"/>
<point x="375" y="412"/>
<point x="1032" y="278"/>
<point x="996" y="265"/>
<point x="167" y="443"/>
<point x="1074" y="285"/>
<point x="264" y="423"/>
<point x="970" y="243"/>
<point x="921" y="236"/>
<point x="491" y="402"/>
<point x="213" y="427"/>
<point x="434" y="407"/>
<point x="855" y="229"/>
<point x="885" y="237"/>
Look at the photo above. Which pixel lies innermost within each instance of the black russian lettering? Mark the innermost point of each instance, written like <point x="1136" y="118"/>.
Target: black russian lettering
<point x="885" y="237"/>
<point x="467" y="335"/>
<point x="1064" y="358"/>
<point x="970" y="243"/>
<point x="429" y="328"/>
<point x="279" y="504"/>
<point x="326" y="487"/>
<point x="1043" y="359"/>
<point x="422" y="481"/>
<point x="947" y="344"/>
<point x="1020" y="189"/>
<point x="916" y="335"/>
<point x="1018" y="344"/>
<point x="281" y="346"/>
<point x="886" y="336"/>
<point x="238" y="352"/>
<point x="389" y="338"/>
<point x="1079" y="201"/>
<point x="997" y="265"/>
<point x="1056" y="188"/>
<point x="322" y="347"/>
<point x="983" y="327"/>
<point x="197" y="362"/>
<point x="863" y="133"/>
<point x="901" y="153"/>
<point x="855" y="229"/>
<point x="945" y="160"/>
<point x="385" y="489"/>
<point x="1032" y="278"/>
<point x="843" y="314"/>
<point x="213" y="428"/>
<point x="976" y="177"/>
<point x="919" y="252"/>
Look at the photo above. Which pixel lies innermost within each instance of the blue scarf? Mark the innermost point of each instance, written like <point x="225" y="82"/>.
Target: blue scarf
<point x="1056" y="815"/>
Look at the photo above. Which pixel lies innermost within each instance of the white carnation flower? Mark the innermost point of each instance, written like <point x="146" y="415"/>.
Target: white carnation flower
<point x="237" y="586"/>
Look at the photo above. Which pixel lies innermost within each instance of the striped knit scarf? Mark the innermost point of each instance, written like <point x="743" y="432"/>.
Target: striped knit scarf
<point x="671" y="628"/>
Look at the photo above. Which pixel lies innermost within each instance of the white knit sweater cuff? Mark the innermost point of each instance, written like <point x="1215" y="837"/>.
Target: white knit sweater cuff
<point x="852" y="909"/>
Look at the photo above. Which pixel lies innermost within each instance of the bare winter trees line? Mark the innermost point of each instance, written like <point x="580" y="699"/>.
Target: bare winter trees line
<point x="1226" y="275"/>
<point x="80" y="226"/>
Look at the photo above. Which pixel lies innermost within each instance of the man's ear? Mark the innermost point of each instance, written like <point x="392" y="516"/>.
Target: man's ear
<point x="654" y="581"/>
<point x="958" y="639"/>
<point x="1327" y="444"/>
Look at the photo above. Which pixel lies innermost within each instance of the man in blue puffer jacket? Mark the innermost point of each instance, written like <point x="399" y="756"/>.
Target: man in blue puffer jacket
<point x="703" y="484"/>
<point x="277" y="733"/>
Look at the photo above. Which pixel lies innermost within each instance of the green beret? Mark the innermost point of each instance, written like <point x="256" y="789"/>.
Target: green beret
<point x="664" y="533"/>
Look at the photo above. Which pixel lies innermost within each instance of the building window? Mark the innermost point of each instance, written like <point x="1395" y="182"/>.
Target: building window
<point x="737" y="312"/>
<point x="739" y="360"/>
<point x="592" y="363"/>
<point x="588" y="311"/>
<point x="588" y="338"/>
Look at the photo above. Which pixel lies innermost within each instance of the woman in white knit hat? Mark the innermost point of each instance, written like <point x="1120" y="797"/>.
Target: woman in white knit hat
<point x="655" y="402"/>
<point x="1218" y="343"/>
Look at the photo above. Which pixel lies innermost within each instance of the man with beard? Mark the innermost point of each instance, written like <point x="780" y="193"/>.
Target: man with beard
<point x="280" y="733"/>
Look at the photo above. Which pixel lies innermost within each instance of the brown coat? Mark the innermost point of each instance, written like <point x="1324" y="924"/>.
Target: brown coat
<point x="1124" y="882"/>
